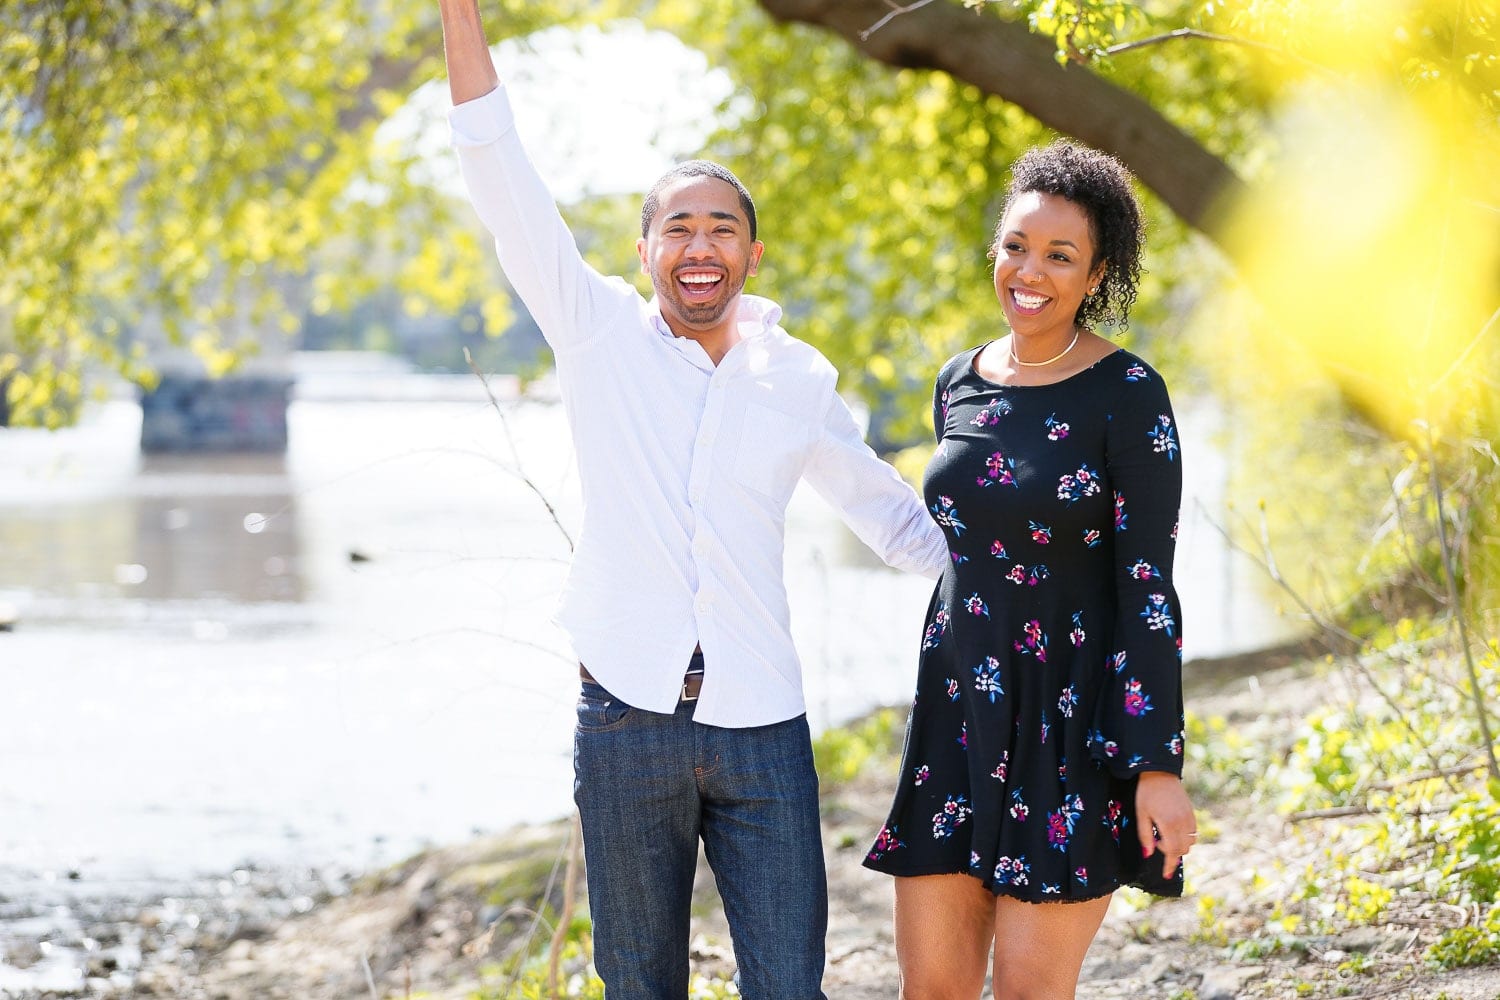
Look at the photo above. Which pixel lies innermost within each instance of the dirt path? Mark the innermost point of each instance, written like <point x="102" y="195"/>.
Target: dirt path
<point x="440" y="925"/>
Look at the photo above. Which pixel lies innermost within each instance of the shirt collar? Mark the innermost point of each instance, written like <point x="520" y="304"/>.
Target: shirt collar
<point x="757" y="316"/>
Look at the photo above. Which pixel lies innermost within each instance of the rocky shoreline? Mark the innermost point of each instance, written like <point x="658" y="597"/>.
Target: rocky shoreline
<point x="442" y="924"/>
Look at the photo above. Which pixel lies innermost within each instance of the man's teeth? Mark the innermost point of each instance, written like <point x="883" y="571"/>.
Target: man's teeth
<point x="1026" y="301"/>
<point x="699" y="279"/>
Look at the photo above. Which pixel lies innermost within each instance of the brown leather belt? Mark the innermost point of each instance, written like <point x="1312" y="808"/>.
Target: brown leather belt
<point x="692" y="682"/>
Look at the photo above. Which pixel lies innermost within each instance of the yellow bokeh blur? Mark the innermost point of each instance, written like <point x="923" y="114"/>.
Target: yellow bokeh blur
<point x="1374" y="250"/>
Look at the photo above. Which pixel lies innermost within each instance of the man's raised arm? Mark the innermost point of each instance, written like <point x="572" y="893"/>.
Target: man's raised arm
<point x="471" y="70"/>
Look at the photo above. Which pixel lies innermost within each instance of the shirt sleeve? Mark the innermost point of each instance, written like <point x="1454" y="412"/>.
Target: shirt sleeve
<point x="1140" y="720"/>
<point x="569" y="300"/>
<point x="874" y="501"/>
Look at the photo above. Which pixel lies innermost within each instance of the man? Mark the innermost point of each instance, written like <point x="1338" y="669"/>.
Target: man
<point x="693" y="417"/>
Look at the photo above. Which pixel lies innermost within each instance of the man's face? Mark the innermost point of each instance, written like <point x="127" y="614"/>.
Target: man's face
<point x="698" y="253"/>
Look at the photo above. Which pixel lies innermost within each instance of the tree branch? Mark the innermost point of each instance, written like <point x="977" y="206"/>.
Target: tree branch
<point x="1208" y="36"/>
<point x="1005" y="59"/>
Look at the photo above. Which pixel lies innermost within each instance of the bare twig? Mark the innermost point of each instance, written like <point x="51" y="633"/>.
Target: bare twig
<point x="538" y="918"/>
<point x="364" y="960"/>
<point x="1208" y="36"/>
<point x="574" y="846"/>
<point x="1457" y="617"/>
<point x="1407" y="779"/>
<point x="1463" y="355"/>
<point x="896" y="12"/>
<point x="1349" y="642"/>
<point x="565" y="918"/>
<point x="511" y="443"/>
<point x="1333" y="812"/>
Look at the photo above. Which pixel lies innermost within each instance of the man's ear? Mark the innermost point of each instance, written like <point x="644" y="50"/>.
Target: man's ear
<point x="640" y="251"/>
<point x="756" y="249"/>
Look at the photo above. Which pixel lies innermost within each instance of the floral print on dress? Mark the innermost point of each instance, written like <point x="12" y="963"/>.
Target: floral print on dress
<point x="1012" y="871"/>
<point x="998" y="470"/>
<point x="950" y="817"/>
<point x="1115" y="819"/>
<point x="1158" y="614"/>
<point x="936" y="628"/>
<point x="990" y="415"/>
<point x="1164" y="437"/>
<point x="1061" y="821"/>
<point x="886" y="841"/>
<point x="946" y="515"/>
<point x="1070" y="462"/>
<point x="1136" y="702"/>
<point x="1108" y="747"/>
<point x="987" y="679"/>
<point x="1074" y="486"/>
<point x="1019" y="574"/>
<point x="1035" y="641"/>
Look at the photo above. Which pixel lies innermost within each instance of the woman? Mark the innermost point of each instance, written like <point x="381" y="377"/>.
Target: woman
<point x="1044" y="748"/>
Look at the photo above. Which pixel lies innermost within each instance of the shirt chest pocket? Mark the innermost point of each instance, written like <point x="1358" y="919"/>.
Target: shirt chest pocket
<point x="771" y="451"/>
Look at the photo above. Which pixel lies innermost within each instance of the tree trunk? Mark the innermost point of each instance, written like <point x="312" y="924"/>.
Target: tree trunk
<point x="1005" y="59"/>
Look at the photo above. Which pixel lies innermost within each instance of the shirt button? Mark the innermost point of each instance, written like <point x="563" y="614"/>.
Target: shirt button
<point x="703" y="607"/>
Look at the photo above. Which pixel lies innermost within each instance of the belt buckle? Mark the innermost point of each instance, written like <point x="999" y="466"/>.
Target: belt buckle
<point x="683" y="694"/>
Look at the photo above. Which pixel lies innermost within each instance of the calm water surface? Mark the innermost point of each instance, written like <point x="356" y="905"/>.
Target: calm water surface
<point x="339" y="655"/>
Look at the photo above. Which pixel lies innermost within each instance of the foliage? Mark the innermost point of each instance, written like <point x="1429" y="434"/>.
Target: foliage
<point x="840" y="754"/>
<point x="193" y="177"/>
<point x="1468" y="946"/>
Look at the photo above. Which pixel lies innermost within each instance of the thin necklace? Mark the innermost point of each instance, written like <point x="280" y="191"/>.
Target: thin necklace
<point x="1040" y="364"/>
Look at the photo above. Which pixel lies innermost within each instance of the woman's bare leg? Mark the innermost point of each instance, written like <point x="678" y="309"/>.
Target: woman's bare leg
<point x="944" y="925"/>
<point x="1039" y="947"/>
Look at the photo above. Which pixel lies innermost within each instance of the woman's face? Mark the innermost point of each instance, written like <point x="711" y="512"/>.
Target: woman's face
<point x="1042" y="264"/>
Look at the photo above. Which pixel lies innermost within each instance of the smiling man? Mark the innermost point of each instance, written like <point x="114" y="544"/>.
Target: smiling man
<point x="693" y="416"/>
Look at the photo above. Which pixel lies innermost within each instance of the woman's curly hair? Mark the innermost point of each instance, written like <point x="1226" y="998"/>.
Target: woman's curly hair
<point x="1100" y="185"/>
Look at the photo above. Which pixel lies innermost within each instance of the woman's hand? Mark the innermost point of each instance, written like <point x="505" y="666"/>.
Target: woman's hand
<point x="1164" y="818"/>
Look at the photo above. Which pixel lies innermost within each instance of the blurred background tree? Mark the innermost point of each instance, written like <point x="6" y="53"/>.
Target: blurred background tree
<point x="1320" y="182"/>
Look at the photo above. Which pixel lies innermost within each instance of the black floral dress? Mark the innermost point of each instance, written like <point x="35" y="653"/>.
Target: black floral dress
<point x="1050" y="670"/>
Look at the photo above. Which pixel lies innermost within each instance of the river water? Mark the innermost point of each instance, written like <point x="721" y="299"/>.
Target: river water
<point x="340" y="655"/>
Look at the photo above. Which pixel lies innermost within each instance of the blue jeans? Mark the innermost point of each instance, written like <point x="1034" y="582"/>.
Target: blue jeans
<point x="648" y="786"/>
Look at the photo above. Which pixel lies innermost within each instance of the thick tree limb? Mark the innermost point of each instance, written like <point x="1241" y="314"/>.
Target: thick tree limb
<point x="1005" y="59"/>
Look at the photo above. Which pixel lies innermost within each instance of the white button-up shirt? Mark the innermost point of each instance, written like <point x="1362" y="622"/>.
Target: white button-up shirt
<point x="686" y="467"/>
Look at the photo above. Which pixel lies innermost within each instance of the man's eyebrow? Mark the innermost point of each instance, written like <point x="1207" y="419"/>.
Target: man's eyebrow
<point x="727" y="216"/>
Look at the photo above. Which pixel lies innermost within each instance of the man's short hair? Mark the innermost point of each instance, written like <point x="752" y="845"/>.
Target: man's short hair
<point x="694" y="168"/>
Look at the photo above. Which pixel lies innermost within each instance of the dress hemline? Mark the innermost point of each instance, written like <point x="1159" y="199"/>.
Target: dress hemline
<point x="1003" y="890"/>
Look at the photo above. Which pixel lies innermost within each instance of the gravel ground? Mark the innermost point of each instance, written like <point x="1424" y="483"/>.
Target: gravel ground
<point x="438" y="925"/>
